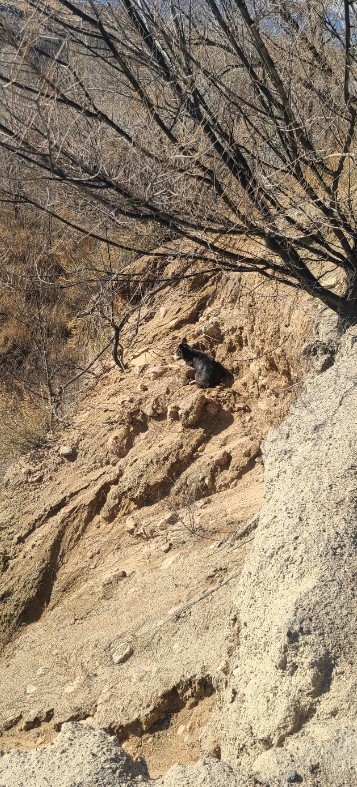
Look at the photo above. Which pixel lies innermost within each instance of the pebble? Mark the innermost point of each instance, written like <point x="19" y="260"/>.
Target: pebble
<point x="293" y="777"/>
<point x="122" y="653"/>
<point x="67" y="451"/>
<point x="149" y="411"/>
<point x="30" y="689"/>
<point x="167" y="547"/>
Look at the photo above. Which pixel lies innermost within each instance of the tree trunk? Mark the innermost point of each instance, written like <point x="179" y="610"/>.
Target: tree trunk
<point x="348" y="309"/>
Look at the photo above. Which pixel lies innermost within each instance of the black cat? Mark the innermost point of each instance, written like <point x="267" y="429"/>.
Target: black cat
<point x="208" y="371"/>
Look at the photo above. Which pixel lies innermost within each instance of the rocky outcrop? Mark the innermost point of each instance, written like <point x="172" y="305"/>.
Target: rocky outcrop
<point x="290" y="698"/>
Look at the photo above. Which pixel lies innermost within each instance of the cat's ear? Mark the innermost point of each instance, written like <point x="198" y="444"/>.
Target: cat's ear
<point x="184" y="341"/>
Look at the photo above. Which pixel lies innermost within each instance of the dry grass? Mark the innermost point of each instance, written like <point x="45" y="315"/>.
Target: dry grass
<point x="24" y="424"/>
<point x="39" y="298"/>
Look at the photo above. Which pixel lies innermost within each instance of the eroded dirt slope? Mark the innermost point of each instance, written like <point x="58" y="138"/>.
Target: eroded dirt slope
<point x="121" y="561"/>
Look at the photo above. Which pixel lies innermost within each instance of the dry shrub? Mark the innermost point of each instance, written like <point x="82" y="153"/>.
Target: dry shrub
<point x="24" y="424"/>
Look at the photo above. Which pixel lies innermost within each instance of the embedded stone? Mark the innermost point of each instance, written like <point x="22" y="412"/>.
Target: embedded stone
<point x="122" y="653"/>
<point x="119" y="442"/>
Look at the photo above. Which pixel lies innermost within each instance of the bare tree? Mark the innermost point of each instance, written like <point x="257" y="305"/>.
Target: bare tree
<point x="230" y="124"/>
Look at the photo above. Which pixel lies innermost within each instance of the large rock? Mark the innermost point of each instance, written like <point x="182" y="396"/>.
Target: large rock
<point x="78" y="757"/>
<point x="293" y="680"/>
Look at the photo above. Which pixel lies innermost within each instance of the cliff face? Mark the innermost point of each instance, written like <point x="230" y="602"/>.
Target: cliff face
<point x="140" y="592"/>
